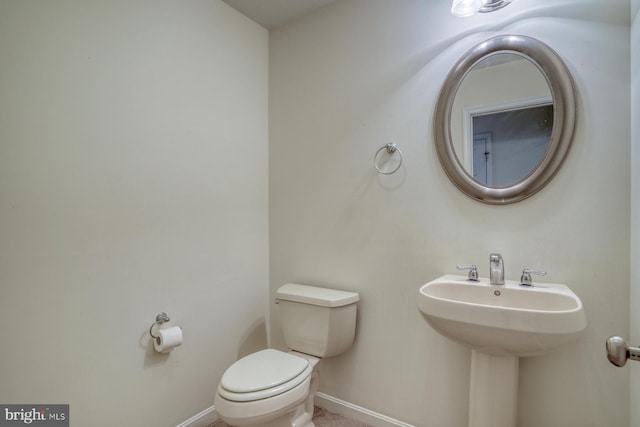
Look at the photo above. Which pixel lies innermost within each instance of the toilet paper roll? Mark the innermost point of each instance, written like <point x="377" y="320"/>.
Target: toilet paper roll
<point x="168" y="339"/>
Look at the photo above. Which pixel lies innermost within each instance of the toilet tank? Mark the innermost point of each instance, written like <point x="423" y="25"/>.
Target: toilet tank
<point x="317" y="321"/>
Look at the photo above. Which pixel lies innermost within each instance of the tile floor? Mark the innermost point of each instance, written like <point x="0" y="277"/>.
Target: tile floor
<point x="321" y="418"/>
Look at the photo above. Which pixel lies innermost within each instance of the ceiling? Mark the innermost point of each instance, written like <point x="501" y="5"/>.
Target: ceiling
<point x="273" y="13"/>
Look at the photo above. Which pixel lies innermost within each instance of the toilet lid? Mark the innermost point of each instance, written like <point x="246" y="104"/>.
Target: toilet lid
<point x="266" y="369"/>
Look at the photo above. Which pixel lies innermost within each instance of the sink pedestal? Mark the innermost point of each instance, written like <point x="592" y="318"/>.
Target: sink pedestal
<point x="493" y="392"/>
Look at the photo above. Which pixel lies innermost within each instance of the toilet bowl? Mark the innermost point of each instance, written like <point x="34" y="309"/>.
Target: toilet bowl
<point x="268" y="388"/>
<point x="272" y="388"/>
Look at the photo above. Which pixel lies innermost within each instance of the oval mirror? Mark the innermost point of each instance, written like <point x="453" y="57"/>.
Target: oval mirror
<point x="505" y="119"/>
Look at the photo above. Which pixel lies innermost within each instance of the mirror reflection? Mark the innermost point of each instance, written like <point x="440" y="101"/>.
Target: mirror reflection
<point x="502" y="119"/>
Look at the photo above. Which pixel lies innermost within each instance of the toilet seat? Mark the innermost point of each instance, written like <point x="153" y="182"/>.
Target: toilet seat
<point x="263" y="374"/>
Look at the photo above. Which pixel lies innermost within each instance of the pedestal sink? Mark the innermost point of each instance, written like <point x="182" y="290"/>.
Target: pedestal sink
<point x="500" y="323"/>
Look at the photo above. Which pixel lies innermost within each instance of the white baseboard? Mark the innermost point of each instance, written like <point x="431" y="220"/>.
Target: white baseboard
<point x="355" y="412"/>
<point x="201" y="419"/>
<point x="330" y="403"/>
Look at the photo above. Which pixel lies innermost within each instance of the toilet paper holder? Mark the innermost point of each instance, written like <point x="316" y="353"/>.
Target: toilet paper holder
<point x="160" y="319"/>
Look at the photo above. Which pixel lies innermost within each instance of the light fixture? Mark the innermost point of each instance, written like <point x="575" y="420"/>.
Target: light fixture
<point x="463" y="8"/>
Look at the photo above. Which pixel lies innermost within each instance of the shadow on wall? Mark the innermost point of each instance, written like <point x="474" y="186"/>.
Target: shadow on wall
<point x="254" y="340"/>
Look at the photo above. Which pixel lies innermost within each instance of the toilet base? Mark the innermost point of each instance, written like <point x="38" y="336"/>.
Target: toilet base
<point x="303" y="419"/>
<point x="300" y="418"/>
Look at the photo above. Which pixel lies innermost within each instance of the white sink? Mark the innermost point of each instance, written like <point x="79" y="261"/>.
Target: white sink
<point x="504" y="319"/>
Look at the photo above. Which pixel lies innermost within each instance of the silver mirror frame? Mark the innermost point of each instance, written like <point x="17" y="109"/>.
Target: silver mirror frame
<point x="564" y="118"/>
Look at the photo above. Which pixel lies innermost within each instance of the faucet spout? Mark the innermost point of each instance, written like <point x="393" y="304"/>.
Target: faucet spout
<point x="496" y="269"/>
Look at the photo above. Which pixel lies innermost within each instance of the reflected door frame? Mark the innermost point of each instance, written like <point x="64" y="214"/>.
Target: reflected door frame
<point x="469" y="112"/>
<point x="482" y="148"/>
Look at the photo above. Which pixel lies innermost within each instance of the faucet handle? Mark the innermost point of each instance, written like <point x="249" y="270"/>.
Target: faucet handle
<point x="525" y="279"/>
<point x="473" y="271"/>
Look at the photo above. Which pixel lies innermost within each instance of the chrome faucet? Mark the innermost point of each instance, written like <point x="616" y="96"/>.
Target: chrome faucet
<point x="496" y="269"/>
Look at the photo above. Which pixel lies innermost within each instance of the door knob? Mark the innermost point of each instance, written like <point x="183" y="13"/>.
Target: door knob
<point x="618" y="351"/>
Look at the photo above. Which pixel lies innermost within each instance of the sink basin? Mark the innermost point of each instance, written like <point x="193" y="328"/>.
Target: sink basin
<point x="504" y="319"/>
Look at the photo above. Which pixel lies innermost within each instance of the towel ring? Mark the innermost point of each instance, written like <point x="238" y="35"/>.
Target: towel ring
<point x="391" y="148"/>
<point x="160" y="319"/>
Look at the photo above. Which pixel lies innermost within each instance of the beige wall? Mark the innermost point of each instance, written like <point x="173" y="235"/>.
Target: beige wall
<point x="133" y="175"/>
<point x="133" y="179"/>
<point x="635" y="208"/>
<point x="360" y="73"/>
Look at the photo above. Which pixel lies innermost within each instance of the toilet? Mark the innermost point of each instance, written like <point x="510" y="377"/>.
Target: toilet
<point x="272" y="388"/>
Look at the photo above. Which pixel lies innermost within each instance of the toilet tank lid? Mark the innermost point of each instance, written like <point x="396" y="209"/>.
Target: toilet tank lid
<point x="314" y="295"/>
